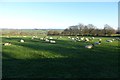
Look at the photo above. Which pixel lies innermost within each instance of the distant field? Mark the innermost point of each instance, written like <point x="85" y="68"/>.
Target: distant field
<point x="28" y="32"/>
<point x="67" y="59"/>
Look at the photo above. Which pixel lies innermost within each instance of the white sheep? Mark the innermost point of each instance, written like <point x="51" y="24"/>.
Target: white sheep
<point x="24" y="36"/>
<point x="77" y="37"/>
<point x="109" y="40"/>
<point x="73" y="38"/>
<point x="89" y="46"/>
<point x="41" y="38"/>
<point x="93" y="38"/>
<point x="100" y="39"/>
<point x="7" y="44"/>
<point x="46" y="40"/>
<point x="98" y="43"/>
<point x="22" y="40"/>
<point x="53" y="42"/>
<point x="32" y="38"/>
<point x="50" y="38"/>
<point x="86" y="39"/>
<point x="82" y="38"/>
<point x="69" y="37"/>
<point x="60" y="36"/>
<point x="36" y="37"/>
<point x="113" y="39"/>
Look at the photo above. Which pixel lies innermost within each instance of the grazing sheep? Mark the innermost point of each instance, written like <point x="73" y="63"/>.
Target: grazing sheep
<point x="22" y="40"/>
<point x="82" y="38"/>
<point x="86" y="39"/>
<point x="50" y="38"/>
<point x="24" y="36"/>
<point x="89" y="46"/>
<point x="69" y="37"/>
<point x="7" y="44"/>
<point x="93" y="38"/>
<point x="99" y="39"/>
<point x="109" y="40"/>
<point x="113" y="39"/>
<point x="77" y="37"/>
<point x="32" y="38"/>
<point x="73" y="38"/>
<point x="60" y="36"/>
<point x="41" y="38"/>
<point x="46" y="40"/>
<point x="98" y="43"/>
<point x="117" y="38"/>
<point x="35" y="37"/>
<point x="53" y="42"/>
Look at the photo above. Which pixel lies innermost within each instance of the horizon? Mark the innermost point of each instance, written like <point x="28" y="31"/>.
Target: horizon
<point x="57" y="15"/>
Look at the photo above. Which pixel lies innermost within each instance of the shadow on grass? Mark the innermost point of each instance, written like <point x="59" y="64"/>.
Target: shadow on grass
<point x="57" y="68"/>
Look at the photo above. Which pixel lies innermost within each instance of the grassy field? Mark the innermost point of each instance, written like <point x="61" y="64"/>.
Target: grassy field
<point x="66" y="59"/>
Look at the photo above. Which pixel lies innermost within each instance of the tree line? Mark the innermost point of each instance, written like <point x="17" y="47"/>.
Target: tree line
<point x="86" y="30"/>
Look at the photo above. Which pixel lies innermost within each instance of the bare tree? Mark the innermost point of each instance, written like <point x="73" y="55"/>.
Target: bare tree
<point x="74" y="30"/>
<point x="81" y="28"/>
<point x="91" y="28"/>
<point x="108" y="30"/>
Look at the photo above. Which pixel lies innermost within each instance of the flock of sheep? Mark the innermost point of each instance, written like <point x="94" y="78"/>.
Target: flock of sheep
<point x="74" y="39"/>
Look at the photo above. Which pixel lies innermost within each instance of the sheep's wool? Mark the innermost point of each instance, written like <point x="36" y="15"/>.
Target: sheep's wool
<point x="88" y="46"/>
<point x="21" y="40"/>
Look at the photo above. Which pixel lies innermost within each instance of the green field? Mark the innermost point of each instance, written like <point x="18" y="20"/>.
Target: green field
<point x="65" y="59"/>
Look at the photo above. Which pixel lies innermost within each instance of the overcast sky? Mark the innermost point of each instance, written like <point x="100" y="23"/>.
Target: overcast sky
<point x="58" y="15"/>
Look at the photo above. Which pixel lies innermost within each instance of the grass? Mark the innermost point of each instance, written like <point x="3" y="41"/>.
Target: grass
<point x="66" y="59"/>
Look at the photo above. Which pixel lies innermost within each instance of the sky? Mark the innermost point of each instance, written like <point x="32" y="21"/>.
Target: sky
<point x="57" y="15"/>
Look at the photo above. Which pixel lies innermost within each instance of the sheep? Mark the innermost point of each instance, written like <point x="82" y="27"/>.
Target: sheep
<point x="117" y="38"/>
<point x="73" y="38"/>
<point x="109" y="40"/>
<point x="98" y="43"/>
<point x="82" y="38"/>
<point x="7" y="44"/>
<point x="32" y="38"/>
<point x="50" y="38"/>
<point x="60" y="36"/>
<point x="100" y="39"/>
<point x="69" y="37"/>
<point x="41" y="38"/>
<point x="53" y="42"/>
<point x="93" y="38"/>
<point x="77" y="37"/>
<point x="22" y="41"/>
<point x="86" y="39"/>
<point x="113" y="39"/>
<point x="89" y="46"/>
<point x="46" y="40"/>
<point x="24" y="36"/>
<point x="35" y="37"/>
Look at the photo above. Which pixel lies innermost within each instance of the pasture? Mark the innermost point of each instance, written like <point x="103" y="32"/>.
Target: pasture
<point x="36" y="58"/>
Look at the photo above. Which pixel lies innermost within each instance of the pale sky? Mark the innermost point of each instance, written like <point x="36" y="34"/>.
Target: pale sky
<point x="57" y="15"/>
